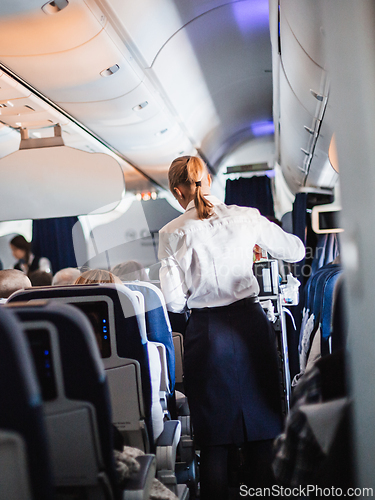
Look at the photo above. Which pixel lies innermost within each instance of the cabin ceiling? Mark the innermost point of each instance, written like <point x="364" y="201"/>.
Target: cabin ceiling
<point x="185" y="77"/>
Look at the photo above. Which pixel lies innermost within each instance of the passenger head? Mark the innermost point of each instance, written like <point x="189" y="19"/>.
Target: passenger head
<point x="40" y="278"/>
<point x="188" y="176"/>
<point x="130" y="271"/>
<point x="96" y="276"/>
<point x="66" y="276"/>
<point x="20" y="247"/>
<point x="12" y="280"/>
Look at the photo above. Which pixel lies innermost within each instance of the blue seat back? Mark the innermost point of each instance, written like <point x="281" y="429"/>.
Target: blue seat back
<point x="327" y="310"/>
<point x="130" y="339"/>
<point x="158" y="326"/>
<point x="83" y="374"/>
<point x="21" y="403"/>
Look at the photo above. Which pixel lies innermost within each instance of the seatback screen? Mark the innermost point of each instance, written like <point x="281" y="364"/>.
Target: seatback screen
<point x="328" y="220"/>
<point x="40" y="343"/>
<point x="97" y="313"/>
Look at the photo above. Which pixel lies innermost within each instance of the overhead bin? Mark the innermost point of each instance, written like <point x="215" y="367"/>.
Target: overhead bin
<point x="133" y="107"/>
<point x="295" y="140"/>
<point x="75" y="75"/>
<point x="321" y="171"/>
<point x="302" y="87"/>
<point x="303" y="17"/>
<point x="58" y="181"/>
<point x="312" y="78"/>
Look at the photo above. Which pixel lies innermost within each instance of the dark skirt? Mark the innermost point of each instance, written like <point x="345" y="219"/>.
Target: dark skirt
<point x="231" y="374"/>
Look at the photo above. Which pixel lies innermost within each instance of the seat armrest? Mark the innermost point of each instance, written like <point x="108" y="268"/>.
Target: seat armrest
<point x="166" y="445"/>
<point x="139" y="485"/>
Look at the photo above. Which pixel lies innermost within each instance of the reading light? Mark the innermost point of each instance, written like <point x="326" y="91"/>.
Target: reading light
<point x="140" y="106"/>
<point x="54" y="6"/>
<point x="110" y="71"/>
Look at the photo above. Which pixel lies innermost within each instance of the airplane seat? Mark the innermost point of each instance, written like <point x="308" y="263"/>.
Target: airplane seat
<point x="159" y="330"/>
<point x="339" y="322"/>
<point x="315" y="335"/>
<point x="125" y="355"/>
<point x="25" y="471"/>
<point x="157" y="322"/>
<point x="329" y="294"/>
<point x="76" y="404"/>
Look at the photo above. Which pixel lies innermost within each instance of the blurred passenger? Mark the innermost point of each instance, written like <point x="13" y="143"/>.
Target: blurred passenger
<point x="12" y="280"/>
<point x="130" y="270"/>
<point x="231" y="372"/>
<point x="40" y="278"/>
<point x="27" y="261"/>
<point x="97" y="276"/>
<point x="66" y="276"/>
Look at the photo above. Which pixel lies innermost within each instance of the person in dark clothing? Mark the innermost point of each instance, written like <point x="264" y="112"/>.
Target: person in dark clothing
<point x="231" y="374"/>
<point x="27" y="262"/>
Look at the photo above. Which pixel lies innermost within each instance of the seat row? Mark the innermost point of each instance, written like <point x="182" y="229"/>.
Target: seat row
<point x="131" y="362"/>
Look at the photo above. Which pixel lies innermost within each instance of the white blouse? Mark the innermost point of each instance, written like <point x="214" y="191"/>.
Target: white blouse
<point x="208" y="263"/>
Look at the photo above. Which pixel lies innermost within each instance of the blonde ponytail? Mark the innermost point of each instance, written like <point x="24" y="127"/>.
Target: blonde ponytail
<point x="189" y="171"/>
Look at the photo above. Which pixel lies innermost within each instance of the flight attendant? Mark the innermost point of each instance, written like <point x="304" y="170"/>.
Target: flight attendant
<point x="27" y="262"/>
<point x="230" y="360"/>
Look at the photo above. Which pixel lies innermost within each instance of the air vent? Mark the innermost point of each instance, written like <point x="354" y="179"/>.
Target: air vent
<point x="110" y="71"/>
<point x="2" y="105"/>
<point x="161" y="132"/>
<point x="55" y="6"/>
<point x="29" y="107"/>
<point x="140" y="106"/>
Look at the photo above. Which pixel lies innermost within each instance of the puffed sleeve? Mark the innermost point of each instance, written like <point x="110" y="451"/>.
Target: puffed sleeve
<point x="278" y="243"/>
<point x="172" y="279"/>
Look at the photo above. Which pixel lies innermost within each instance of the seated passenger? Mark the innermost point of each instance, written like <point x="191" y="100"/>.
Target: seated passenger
<point x="97" y="276"/>
<point x="66" y="276"/>
<point x="40" y="278"/>
<point x="12" y="280"/>
<point x="27" y="261"/>
<point x="130" y="270"/>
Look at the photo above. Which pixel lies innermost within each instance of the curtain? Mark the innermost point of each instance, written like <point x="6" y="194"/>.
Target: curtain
<point x="53" y="238"/>
<point x="251" y="192"/>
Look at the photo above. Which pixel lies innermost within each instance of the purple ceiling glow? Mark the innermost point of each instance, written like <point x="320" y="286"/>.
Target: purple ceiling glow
<point x="251" y="15"/>
<point x="262" y="128"/>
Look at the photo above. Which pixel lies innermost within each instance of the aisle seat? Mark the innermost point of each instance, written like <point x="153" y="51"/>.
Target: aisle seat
<point x="76" y="403"/>
<point x="25" y="470"/>
<point x="126" y="355"/>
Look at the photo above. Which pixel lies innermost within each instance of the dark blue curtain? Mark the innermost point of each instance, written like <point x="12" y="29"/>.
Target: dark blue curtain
<point x="52" y="238"/>
<point x="251" y="192"/>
